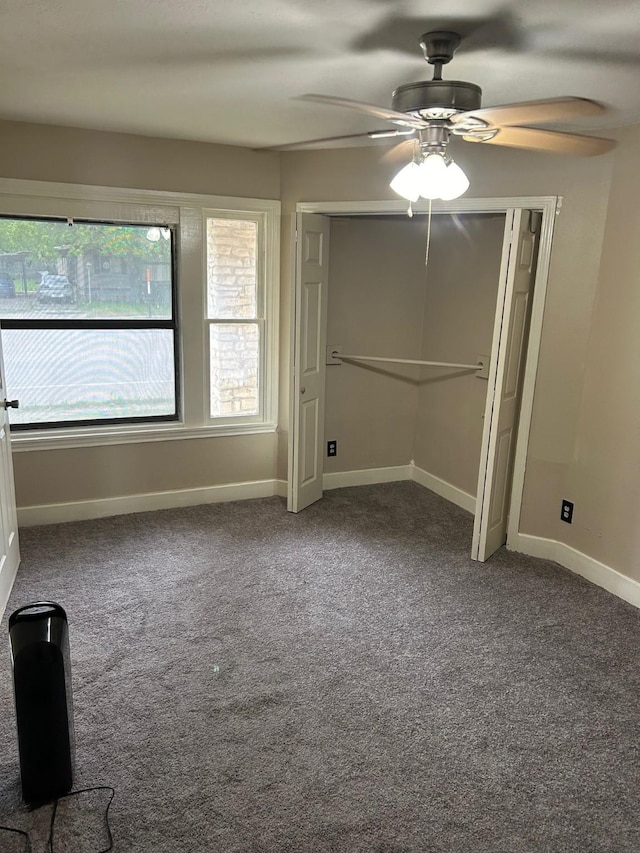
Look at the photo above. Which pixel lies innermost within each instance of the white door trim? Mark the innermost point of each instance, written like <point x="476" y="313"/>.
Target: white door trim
<point x="9" y="537"/>
<point x="549" y="207"/>
<point x="468" y="205"/>
<point x="293" y="334"/>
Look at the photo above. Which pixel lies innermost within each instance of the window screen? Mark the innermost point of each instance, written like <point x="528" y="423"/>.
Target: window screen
<point x="89" y="322"/>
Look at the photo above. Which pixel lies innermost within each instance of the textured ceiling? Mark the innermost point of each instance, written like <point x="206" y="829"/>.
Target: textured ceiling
<point x="229" y="72"/>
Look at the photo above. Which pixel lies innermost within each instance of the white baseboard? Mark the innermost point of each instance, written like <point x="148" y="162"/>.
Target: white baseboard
<point x="598" y="573"/>
<point x="441" y="487"/>
<point x="366" y="477"/>
<point x="371" y="476"/>
<point x="81" y="510"/>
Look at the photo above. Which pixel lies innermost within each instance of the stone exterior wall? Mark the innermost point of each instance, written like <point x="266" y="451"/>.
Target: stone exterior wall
<point x="231" y="289"/>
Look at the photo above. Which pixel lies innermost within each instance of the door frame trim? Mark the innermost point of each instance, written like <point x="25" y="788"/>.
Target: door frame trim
<point x="294" y="331"/>
<point x="549" y="207"/>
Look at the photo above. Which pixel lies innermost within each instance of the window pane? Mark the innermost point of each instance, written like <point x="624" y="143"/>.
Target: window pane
<point x="232" y="251"/>
<point x="75" y="375"/>
<point x="50" y="270"/>
<point x="234" y="359"/>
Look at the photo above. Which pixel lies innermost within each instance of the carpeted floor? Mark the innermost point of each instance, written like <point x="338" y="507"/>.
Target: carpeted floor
<point x="342" y="680"/>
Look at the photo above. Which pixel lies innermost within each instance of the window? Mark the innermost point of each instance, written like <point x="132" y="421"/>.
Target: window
<point x="136" y="316"/>
<point x="235" y="315"/>
<point x="89" y="322"/>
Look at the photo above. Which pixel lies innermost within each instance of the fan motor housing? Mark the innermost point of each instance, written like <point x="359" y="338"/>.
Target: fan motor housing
<point x="437" y="99"/>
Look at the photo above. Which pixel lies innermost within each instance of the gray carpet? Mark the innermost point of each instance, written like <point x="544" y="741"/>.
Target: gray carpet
<point x="342" y="680"/>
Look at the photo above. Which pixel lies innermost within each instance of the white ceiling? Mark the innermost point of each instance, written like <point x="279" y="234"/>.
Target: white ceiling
<point x="228" y="71"/>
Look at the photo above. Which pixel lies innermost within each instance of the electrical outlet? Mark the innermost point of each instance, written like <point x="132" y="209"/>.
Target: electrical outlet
<point x="566" y="513"/>
<point x="332" y="448"/>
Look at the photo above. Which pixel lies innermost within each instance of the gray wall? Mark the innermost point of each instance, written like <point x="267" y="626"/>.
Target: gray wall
<point x="47" y="153"/>
<point x="376" y="300"/>
<point x="58" y="154"/>
<point x="603" y="478"/>
<point x="459" y="312"/>
<point x="383" y="300"/>
<point x="583" y="184"/>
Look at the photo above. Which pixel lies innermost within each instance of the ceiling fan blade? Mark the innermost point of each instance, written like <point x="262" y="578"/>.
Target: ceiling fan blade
<point x="401" y="119"/>
<point x="316" y="143"/>
<point x="402" y="151"/>
<point x="547" y="140"/>
<point x="535" y="112"/>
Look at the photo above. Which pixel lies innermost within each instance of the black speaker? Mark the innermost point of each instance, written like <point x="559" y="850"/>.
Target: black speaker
<point x="39" y="636"/>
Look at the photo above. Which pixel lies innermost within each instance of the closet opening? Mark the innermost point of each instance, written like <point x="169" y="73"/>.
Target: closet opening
<point x="368" y="307"/>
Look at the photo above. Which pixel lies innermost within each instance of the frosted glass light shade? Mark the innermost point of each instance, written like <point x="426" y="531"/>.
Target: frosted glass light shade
<point x="406" y="182"/>
<point x="433" y="178"/>
<point x="456" y="183"/>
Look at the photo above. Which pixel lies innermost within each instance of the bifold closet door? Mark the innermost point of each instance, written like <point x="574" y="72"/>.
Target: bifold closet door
<point x="309" y="346"/>
<point x="505" y="380"/>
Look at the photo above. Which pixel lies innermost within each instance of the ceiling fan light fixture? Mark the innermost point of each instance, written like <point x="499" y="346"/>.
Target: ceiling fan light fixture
<point x="433" y="178"/>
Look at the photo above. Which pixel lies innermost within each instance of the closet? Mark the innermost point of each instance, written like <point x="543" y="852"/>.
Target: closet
<point x="387" y="292"/>
<point x="383" y="300"/>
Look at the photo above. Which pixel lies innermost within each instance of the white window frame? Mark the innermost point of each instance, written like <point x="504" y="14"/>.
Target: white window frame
<point x="264" y="310"/>
<point x="187" y="212"/>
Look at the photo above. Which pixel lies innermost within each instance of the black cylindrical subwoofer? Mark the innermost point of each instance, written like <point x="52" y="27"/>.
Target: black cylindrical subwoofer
<point x="39" y="636"/>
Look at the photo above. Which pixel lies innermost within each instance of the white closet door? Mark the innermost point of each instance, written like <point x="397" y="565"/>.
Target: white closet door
<point x="9" y="548"/>
<point x="309" y="346"/>
<point x="503" y="392"/>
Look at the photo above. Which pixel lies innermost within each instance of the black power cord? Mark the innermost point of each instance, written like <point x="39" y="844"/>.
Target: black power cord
<point x="73" y="794"/>
<point x="25" y="835"/>
<point x="50" y="847"/>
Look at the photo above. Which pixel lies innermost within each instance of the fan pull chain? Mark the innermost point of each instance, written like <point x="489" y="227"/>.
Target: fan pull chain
<point x="426" y="254"/>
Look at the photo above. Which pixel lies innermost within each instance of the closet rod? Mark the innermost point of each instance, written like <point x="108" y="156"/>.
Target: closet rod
<point x="336" y="354"/>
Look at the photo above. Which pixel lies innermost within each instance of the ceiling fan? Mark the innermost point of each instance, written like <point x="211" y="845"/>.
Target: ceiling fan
<point x="427" y="113"/>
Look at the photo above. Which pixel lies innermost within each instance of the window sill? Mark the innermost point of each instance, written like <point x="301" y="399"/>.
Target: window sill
<point x="60" y="439"/>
